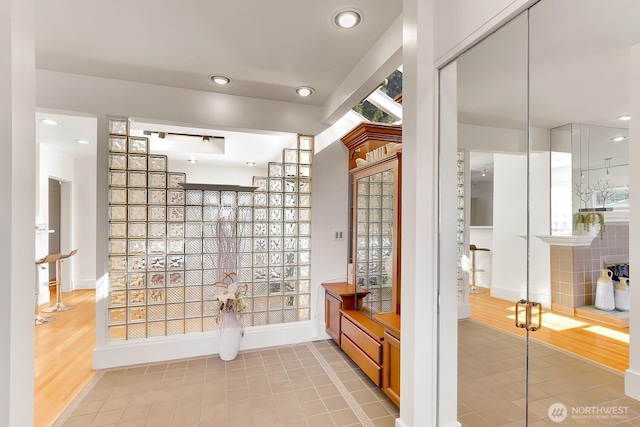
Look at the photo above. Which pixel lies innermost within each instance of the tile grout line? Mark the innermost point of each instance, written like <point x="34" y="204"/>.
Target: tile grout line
<point x="78" y="399"/>
<point x="357" y="409"/>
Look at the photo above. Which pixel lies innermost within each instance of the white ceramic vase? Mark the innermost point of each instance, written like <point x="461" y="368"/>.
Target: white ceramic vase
<point x="622" y="294"/>
<point x="604" y="291"/>
<point x="230" y="336"/>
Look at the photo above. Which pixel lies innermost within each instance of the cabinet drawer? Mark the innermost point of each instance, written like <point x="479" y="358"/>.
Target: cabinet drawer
<point x="368" y="345"/>
<point x="367" y="365"/>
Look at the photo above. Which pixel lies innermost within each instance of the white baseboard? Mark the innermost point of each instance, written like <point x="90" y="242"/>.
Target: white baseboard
<point x="632" y="384"/>
<point x="464" y="311"/>
<point x="160" y="349"/>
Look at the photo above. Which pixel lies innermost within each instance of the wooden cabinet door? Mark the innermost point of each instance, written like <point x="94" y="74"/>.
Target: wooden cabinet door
<point x="332" y="317"/>
<point x="391" y="367"/>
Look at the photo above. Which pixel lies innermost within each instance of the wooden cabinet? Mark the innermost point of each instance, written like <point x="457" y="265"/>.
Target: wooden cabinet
<point x="339" y="296"/>
<point x="391" y="355"/>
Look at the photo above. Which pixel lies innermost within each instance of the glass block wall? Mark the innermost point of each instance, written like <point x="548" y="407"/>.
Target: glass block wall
<point x="460" y="230"/>
<point x="170" y="241"/>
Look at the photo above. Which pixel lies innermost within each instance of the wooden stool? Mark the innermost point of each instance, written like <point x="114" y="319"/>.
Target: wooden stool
<point x="59" y="306"/>
<point x="40" y="320"/>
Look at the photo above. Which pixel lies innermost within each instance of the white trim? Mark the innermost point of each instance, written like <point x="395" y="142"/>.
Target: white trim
<point x="134" y="352"/>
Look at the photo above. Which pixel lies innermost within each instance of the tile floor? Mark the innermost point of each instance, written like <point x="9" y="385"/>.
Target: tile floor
<point x="315" y="384"/>
<point x="312" y="384"/>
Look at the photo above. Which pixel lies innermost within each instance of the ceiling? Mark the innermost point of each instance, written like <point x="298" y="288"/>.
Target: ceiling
<point x="267" y="48"/>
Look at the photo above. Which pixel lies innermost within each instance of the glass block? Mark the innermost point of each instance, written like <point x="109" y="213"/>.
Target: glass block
<point x="194" y="213"/>
<point x="303" y="314"/>
<point x="118" y="126"/>
<point x="304" y="257"/>
<point x="212" y="198"/>
<point x="290" y="228"/>
<point x="260" y="229"/>
<point x="137" y="314"/>
<point x="175" y="246"/>
<point x="158" y="163"/>
<point x="157" y="230"/>
<point x="175" y="197"/>
<point x="157" y="296"/>
<point x="304" y="271"/>
<point x="157" y="213"/>
<point x="117" y="298"/>
<point x="175" y="213"/>
<point x="156" y="329"/>
<point x="276" y="170"/>
<point x="275" y="317"/>
<point x="245" y="198"/>
<point x="137" y="213"/>
<point x="156" y="312"/>
<point x="305" y="186"/>
<point x="193" y="246"/>
<point x="275" y="229"/>
<point x="117" y="333"/>
<point x="175" y="295"/>
<point x="118" y="229"/>
<point x="304" y="243"/>
<point x="289" y="316"/>
<point x="193" y="309"/>
<point x="275" y="244"/>
<point x="290" y="244"/>
<point x="210" y="213"/>
<point x="290" y="214"/>
<point x="275" y="273"/>
<point x="137" y="196"/>
<point x="137" y="229"/>
<point x="117" y="161"/>
<point x="260" y="183"/>
<point x="117" y="144"/>
<point x="244" y="274"/>
<point x="157" y="197"/>
<point x="117" y="281"/>
<point x="304" y="228"/>
<point x="157" y="180"/>
<point x="290" y="155"/>
<point x="229" y="198"/>
<point x="275" y="288"/>
<point x="117" y="246"/>
<point x="245" y="214"/>
<point x="260" y="199"/>
<point x="209" y="323"/>
<point x="260" y="304"/>
<point x="290" y="258"/>
<point x="118" y="178"/>
<point x="137" y="263"/>
<point x="305" y="157"/>
<point x="193" y="293"/>
<point x="156" y="280"/>
<point x="290" y="185"/>
<point x="304" y="200"/>
<point x="260" y="244"/>
<point x="117" y="213"/>
<point x="137" y="297"/>
<point x="193" y="277"/>
<point x="193" y="325"/>
<point x="260" y="318"/>
<point x="175" y="229"/>
<point x="209" y="246"/>
<point x="290" y="200"/>
<point x="275" y="184"/>
<point x="117" y="196"/>
<point x="303" y="286"/>
<point x="245" y="244"/>
<point x="305" y="142"/>
<point x="290" y="171"/>
<point x="117" y="315"/>
<point x="275" y="199"/>
<point x="194" y="197"/>
<point x="244" y="260"/>
<point x="260" y="259"/>
<point x="304" y="214"/>
<point x="137" y="162"/>
<point x="136" y="331"/>
<point x="175" y="262"/>
<point x="138" y="145"/>
<point x="137" y="247"/>
<point x="174" y="179"/>
<point x="275" y="214"/>
<point x="156" y="262"/>
<point x="305" y="171"/>
<point x="175" y="327"/>
<point x="290" y="272"/>
<point x="117" y="263"/>
<point x="289" y="286"/>
<point x="260" y="214"/>
<point x="176" y="278"/>
<point x="175" y="311"/>
<point x="259" y="274"/>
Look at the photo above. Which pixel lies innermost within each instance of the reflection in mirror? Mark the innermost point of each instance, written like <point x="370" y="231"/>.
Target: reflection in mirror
<point x="481" y="191"/>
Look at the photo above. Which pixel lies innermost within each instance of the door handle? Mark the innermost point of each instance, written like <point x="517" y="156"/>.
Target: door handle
<point x="528" y="309"/>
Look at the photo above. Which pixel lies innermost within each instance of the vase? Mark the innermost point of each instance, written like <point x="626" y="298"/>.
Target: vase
<point x="605" y="299"/>
<point x="230" y="336"/>
<point x="622" y="294"/>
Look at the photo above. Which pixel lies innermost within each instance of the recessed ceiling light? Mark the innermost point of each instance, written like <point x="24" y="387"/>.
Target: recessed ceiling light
<point x="618" y="138"/>
<point x="347" y="18"/>
<point x="219" y="79"/>
<point x="251" y="163"/>
<point x="624" y="117"/>
<point x="192" y="161"/>
<point x="81" y="141"/>
<point x="304" y="91"/>
<point x="49" y="122"/>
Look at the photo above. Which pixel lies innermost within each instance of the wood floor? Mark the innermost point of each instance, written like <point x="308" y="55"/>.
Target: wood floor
<point x="64" y="347"/>
<point x="63" y="356"/>
<point x="604" y="344"/>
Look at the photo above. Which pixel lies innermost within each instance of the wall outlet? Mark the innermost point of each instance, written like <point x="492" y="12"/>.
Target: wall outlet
<point x="338" y="235"/>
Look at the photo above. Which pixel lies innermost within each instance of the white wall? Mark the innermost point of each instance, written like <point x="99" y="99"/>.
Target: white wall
<point x="83" y="204"/>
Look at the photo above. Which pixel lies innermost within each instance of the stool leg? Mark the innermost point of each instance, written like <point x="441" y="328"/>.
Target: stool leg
<point x="473" y="289"/>
<point x="59" y="306"/>
<point x="40" y="320"/>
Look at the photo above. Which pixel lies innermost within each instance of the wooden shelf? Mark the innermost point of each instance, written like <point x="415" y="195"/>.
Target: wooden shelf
<point x="390" y="321"/>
